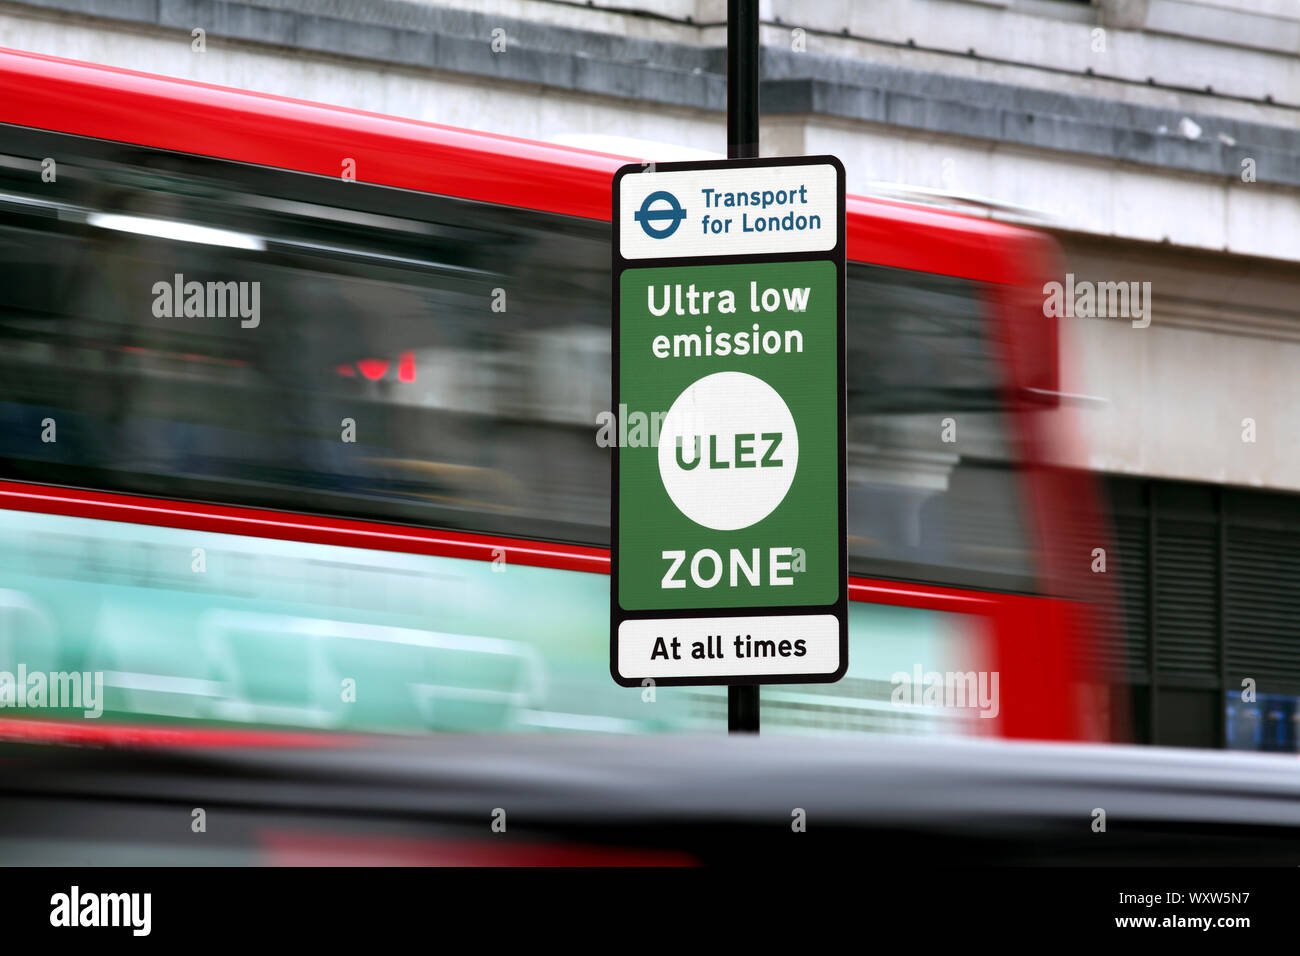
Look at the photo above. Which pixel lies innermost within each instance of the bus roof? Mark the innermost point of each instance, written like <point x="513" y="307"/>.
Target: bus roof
<point x="104" y="102"/>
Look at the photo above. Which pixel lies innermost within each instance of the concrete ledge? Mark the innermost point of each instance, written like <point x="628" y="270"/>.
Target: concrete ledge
<point x="417" y="36"/>
<point x="1202" y="21"/>
<point x="1207" y="155"/>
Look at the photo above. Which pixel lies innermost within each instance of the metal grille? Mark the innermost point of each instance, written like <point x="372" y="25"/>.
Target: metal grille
<point x="1262" y="605"/>
<point x="1187" y="601"/>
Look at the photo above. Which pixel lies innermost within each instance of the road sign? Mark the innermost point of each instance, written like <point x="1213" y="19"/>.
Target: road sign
<point x="728" y="538"/>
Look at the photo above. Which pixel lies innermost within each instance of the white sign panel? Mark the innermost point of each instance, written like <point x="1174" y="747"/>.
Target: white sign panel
<point x="729" y="212"/>
<point x="722" y="646"/>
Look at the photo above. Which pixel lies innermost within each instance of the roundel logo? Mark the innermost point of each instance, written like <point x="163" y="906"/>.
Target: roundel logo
<point x="728" y="451"/>
<point x="649" y="214"/>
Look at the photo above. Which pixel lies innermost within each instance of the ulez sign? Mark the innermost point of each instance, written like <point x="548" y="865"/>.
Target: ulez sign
<point x="728" y="527"/>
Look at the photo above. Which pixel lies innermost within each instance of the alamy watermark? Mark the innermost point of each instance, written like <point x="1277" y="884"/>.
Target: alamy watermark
<point x="76" y="908"/>
<point x="1098" y="300"/>
<point x="629" y="429"/>
<point x="61" y="690"/>
<point x="208" y="300"/>
<point x="948" y="689"/>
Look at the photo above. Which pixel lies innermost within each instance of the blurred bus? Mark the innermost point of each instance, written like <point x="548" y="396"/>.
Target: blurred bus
<point x="298" y="409"/>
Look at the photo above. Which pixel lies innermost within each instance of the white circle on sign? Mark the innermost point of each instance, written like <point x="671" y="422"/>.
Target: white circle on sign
<point x="699" y="450"/>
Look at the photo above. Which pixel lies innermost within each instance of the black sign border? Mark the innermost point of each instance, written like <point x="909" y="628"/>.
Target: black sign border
<point x="837" y="254"/>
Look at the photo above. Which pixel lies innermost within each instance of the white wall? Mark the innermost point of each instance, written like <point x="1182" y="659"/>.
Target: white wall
<point x="1175" y="401"/>
<point x="1076" y="193"/>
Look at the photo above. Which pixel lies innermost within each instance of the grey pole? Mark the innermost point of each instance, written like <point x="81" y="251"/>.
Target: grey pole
<point x="742" y="143"/>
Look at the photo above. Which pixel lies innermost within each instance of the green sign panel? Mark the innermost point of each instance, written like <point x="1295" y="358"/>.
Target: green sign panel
<point x="728" y="483"/>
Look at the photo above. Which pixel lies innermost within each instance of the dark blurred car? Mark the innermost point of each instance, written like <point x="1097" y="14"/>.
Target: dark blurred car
<point x="577" y="800"/>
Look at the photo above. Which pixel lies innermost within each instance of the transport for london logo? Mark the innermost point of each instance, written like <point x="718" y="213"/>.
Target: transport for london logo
<point x="647" y="216"/>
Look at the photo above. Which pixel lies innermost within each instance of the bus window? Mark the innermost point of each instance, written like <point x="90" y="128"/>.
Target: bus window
<point x="933" y="491"/>
<point x="205" y="330"/>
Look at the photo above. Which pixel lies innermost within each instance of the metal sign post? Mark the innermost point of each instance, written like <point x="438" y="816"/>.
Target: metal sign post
<point x="742" y="143"/>
<point x="728" y="518"/>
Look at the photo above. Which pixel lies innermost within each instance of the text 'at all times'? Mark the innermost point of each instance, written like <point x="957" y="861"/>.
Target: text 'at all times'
<point x="713" y="648"/>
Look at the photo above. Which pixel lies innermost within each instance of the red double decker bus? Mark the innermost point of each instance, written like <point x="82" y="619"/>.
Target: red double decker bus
<point x="299" y="409"/>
